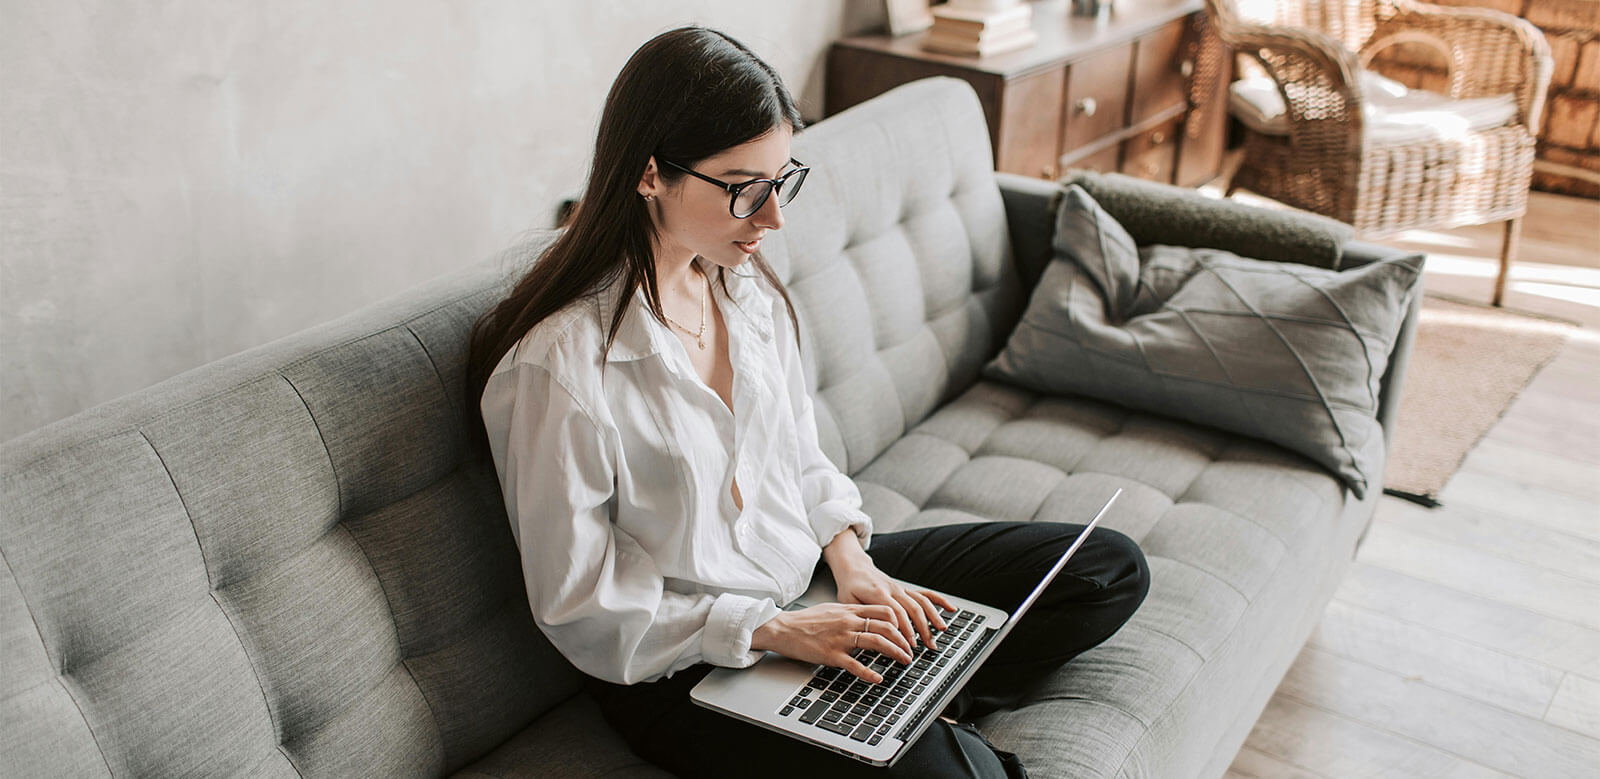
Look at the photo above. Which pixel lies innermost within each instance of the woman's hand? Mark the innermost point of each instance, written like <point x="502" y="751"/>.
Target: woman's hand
<point x="916" y="612"/>
<point x="828" y="633"/>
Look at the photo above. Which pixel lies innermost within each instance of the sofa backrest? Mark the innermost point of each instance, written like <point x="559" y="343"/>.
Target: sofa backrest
<point x="898" y="260"/>
<point x="287" y="562"/>
<point x="280" y="562"/>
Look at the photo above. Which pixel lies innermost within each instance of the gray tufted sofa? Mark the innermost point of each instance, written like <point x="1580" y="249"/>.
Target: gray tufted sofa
<point x="288" y="563"/>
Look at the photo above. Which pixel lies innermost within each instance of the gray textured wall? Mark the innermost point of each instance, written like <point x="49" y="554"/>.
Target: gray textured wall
<point x="183" y="180"/>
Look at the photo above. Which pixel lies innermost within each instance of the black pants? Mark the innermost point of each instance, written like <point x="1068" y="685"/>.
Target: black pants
<point x="995" y="563"/>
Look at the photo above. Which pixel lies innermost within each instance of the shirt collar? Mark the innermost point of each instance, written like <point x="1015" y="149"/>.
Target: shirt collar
<point x="635" y="339"/>
<point x="744" y="289"/>
<point x="639" y="337"/>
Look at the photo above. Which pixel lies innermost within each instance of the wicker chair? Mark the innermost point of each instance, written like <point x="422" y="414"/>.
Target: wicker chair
<point x="1327" y="163"/>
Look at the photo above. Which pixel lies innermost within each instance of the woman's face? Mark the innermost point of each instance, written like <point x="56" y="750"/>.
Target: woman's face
<point x="692" y="215"/>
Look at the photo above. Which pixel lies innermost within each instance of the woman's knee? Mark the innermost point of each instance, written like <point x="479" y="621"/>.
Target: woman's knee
<point x="1127" y="571"/>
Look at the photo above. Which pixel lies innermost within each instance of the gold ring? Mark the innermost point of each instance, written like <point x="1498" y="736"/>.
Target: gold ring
<point x="867" y="626"/>
<point x="857" y="645"/>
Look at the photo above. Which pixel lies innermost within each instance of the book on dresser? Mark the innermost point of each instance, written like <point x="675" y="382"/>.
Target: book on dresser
<point x="980" y="33"/>
<point x="1020" y="39"/>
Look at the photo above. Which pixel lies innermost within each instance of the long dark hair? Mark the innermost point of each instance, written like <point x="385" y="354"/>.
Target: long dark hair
<point x="685" y="95"/>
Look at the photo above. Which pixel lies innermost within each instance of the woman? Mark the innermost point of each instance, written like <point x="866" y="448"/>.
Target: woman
<point x="648" y="415"/>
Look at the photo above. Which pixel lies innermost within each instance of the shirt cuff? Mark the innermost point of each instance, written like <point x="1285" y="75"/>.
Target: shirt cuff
<point x="730" y="626"/>
<point x="830" y="519"/>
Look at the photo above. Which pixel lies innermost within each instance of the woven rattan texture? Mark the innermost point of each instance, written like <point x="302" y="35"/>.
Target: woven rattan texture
<point x="1325" y="164"/>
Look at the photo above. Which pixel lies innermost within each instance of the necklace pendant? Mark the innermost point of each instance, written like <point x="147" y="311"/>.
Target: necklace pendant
<point x="702" y="344"/>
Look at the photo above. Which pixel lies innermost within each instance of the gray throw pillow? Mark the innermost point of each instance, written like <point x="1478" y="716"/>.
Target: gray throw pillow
<point x="1279" y="351"/>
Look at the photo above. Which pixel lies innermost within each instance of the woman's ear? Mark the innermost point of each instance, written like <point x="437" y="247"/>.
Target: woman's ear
<point x="650" y="180"/>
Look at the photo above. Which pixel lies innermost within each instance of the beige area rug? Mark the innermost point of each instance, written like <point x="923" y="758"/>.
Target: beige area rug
<point x="1469" y="363"/>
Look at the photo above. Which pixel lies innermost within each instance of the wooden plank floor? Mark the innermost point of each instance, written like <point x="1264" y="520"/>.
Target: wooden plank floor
<point x="1465" y="640"/>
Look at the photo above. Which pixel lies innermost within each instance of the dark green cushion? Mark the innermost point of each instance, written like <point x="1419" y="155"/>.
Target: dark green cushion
<point x="1160" y="214"/>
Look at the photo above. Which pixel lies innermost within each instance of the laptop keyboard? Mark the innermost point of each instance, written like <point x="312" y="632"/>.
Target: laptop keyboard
<point x="836" y="701"/>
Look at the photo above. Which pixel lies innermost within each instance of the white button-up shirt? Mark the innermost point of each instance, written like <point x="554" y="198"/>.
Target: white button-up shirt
<point x="618" y="471"/>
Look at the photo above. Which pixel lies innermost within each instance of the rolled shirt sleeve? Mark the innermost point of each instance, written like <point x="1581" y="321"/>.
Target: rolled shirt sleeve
<point x="832" y="501"/>
<point x="594" y="591"/>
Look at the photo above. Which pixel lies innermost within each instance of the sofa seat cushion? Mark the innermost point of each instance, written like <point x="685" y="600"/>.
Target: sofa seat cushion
<point x="571" y="739"/>
<point x="1223" y="519"/>
<point x="1224" y="504"/>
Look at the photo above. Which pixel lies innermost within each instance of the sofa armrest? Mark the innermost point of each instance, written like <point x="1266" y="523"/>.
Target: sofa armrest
<point x="1031" y="220"/>
<point x="1357" y="253"/>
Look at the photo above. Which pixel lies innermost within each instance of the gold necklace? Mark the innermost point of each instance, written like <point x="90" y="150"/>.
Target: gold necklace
<point x="699" y="335"/>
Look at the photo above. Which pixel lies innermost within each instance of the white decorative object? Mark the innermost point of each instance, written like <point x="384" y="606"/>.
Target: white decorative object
<point x="907" y="16"/>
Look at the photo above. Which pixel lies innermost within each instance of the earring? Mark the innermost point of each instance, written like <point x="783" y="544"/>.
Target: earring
<point x="649" y="198"/>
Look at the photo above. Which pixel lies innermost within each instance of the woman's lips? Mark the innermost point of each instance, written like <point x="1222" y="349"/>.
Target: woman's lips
<point x="748" y="247"/>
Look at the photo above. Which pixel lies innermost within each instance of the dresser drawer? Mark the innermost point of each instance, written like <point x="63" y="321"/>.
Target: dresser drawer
<point x="1097" y="96"/>
<point x="1104" y="161"/>
<point x="1075" y="99"/>
<point x="1159" y="79"/>
<point x="1153" y="154"/>
<point x="1030" y="132"/>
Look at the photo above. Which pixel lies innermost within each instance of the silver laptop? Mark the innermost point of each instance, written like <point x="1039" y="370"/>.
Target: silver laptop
<point x="874" y="723"/>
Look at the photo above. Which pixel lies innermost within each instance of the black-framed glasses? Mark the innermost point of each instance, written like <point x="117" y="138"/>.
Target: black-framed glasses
<point x="747" y="197"/>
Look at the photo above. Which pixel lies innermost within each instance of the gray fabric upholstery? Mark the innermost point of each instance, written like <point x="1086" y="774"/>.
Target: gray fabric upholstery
<point x="1278" y="351"/>
<point x="286" y="563"/>
<point x="1031" y="222"/>
<point x="898" y="261"/>
<point x="283" y="562"/>
<point x="1245" y="542"/>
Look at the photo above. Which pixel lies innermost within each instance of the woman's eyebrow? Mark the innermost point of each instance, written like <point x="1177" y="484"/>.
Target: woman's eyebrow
<point x="755" y="174"/>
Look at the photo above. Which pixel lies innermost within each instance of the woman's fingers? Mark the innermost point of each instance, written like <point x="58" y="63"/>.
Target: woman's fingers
<point x="881" y="612"/>
<point x="884" y="596"/>
<point x="894" y="615"/>
<point x="902" y="620"/>
<point x="935" y="617"/>
<point x="928" y="613"/>
<point x="887" y="631"/>
<point x="888" y="647"/>
<point x="941" y="600"/>
<point x="861" y="672"/>
<point x="919" y="619"/>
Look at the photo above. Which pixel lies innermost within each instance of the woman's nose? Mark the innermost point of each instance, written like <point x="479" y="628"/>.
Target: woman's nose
<point x="769" y="215"/>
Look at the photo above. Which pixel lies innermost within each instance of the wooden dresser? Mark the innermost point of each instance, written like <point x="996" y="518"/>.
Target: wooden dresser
<point x="1140" y="91"/>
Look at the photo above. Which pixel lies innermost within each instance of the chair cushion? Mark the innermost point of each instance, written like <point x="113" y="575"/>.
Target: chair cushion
<point x="1282" y="352"/>
<point x="1395" y="115"/>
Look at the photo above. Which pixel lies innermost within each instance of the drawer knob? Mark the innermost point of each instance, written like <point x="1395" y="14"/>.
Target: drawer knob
<point x="1186" y="68"/>
<point x="1087" y="106"/>
<point x="1049" y="172"/>
<point x="1157" y="137"/>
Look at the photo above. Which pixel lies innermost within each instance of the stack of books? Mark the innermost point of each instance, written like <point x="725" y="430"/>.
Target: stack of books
<point x="970" y="31"/>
